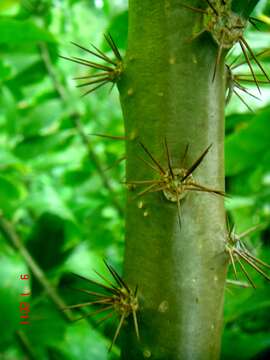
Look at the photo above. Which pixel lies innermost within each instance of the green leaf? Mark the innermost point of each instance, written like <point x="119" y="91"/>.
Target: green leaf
<point x="244" y="7"/>
<point x="17" y="32"/>
<point x="10" y="289"/>
<point x="119" y="29"/>
<point x="45" y="198"/>
<point x="80" y="345"/>
<point x="41" y="117"/>
<point x="5" y="71"/>
<point x="47" y="240"/>
<point x="241" y="346"/>
<point x="11" y="194"/>
<point x="47" y="326"/>
<point x="35" y="146"/>
<point x="247" y="146"/>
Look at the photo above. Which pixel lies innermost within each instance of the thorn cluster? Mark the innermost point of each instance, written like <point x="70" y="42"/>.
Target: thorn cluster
<point x="237" y="81"/>
<point x="238" y="253"/>
<point x="109" y="72"/>
<point x="113" y="299"/>
<point x="173" y="182"/>
<point x="227" y="29"/>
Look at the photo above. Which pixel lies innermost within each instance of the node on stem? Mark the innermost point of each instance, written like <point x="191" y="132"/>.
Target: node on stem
<point x="111" y="299"/>
<point x="110" y="72"/>
<point x="172" y="181"/>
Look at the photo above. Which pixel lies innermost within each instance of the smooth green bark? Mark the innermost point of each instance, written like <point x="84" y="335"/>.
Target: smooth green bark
<point x="167" y="91"/>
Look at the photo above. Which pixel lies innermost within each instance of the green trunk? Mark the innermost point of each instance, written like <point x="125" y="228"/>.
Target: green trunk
<point x="167" y="92"/>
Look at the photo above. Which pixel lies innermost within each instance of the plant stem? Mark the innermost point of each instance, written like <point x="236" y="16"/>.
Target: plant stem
<point x="168" y="91"/>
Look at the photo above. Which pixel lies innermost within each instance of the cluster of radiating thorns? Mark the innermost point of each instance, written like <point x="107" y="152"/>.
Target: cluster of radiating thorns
<point x="239" y="254"/>
<point x="227" y="29"/>
<point x="174" y="182"/>
<point x="111" y="299"/>
<point x="108" y="72"/>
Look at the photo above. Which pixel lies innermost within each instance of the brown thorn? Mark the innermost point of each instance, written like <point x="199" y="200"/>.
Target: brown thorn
<point x="108" y="282"/>
<point x="117" y="331"/>
<point x="243" y="101"/>
<point x="74" y="60"/>
<point x="184" y="157"/>
<point x="246" y="274"/>
<point x="116" y="276"/>
<point x="95" y="312"/>
<point x="255" y="58"/>
<point x="106" y="317"/>
<point x="116" y="51"/>
<point x="90" y="303"/>
<point x="113" y="137"/>
<point x="249" y="65"/>
<point x="229" y="227"/>
<point x="105" y="287"/>
<point x="88" y="292"/>
<point x="232" y="66"/>
<point x="92" y="64"/>
<point x="92" y="76"/>
<point x="242" y="88"/>
<point x="113" y="46"/>
<point x="103" y="54"/>
<point x="259" y="261"/>
<point x="198" y="187"/>
<point x="168" y="158"/>
<point x="195" y="36"/>
<point x="148" y="164"/>
<point x="218" y="57"/>
<point x="136" y="327"/>
<point x="240" y="78"/>
<point x="95" y="88"/>
<point x="101" y="80"/>
<point x="118" y="161"/>
<point x="238" y="283"/>
<point x="99" y="55"/>
<point x="145" y="191"/>
<point x="252" y="264"/>
<point x="178" y="209"/>
<point x="196" y="163"/>
<point x="152" y="158"/>
<point x="161" y="188"/>
<point x="194" y="9"/>
<point x="249" y="231"/>
<point x="233" y="263"/>
<point x="143" y="182"/>
<point x="212" y="7"/>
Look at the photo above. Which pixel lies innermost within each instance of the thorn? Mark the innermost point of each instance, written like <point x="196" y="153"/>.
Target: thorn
<point x="196" y="163"/>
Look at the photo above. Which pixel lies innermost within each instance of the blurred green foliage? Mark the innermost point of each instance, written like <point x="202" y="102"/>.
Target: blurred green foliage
<point x="52" y="193"/>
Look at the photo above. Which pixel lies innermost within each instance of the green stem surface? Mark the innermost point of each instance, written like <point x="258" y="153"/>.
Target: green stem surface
<point x="167" y="91"/>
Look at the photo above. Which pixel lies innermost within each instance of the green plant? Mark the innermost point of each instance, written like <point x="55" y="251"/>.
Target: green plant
<point x="180" y="271"/>
<point x="63" y="180"/>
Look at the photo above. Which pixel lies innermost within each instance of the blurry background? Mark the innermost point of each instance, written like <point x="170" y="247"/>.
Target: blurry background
<point x="61" y="196"/>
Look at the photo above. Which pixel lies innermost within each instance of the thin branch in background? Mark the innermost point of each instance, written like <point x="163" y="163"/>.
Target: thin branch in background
<point x="94" y="159"/>
<point x="45" y="55"/>
<point x="12" y="237"/>
<point x="25" y="345"/>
